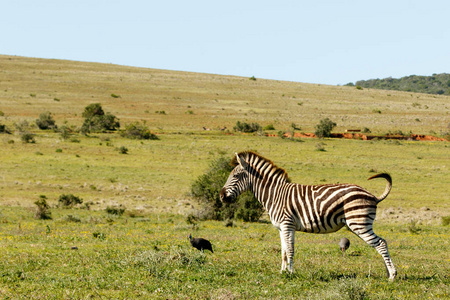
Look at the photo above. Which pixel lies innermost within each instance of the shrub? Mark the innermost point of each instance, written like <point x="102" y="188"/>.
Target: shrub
<point x="123" y="150"/>
<point x="74" y="219"/>
<point x="324" y="128"/>
<point x="115" y="210"/>
<point x="269" y="127"/>
<point x="320" y="147"/>
<point x="97" y="121"/>
<point x="138" y="131"/>
<point x="43" y="209"/>
<point x="3" y="129"/>
<point x="65" y="132"/>
<point x="46" y="121"/>
<point x="27" y="137"/>
<point x="69" y="200"/>
<point x="248" y="128"/>
<point x="206" y="188"/>
<point x="249" y="209"/>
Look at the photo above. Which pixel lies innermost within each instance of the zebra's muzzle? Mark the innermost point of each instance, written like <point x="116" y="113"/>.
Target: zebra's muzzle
<point x="224" y="197"/>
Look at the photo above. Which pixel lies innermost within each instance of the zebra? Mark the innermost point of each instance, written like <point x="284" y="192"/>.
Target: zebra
<point x="307" y="208"/>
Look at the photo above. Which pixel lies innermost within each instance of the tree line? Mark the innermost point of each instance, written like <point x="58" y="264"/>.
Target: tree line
<point x="436" y="84"/>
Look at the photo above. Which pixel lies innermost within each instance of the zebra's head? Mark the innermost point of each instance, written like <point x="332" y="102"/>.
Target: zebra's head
<point x="237" y="182"/>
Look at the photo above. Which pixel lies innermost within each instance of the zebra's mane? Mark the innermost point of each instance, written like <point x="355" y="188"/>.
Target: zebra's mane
<point x="252" y="157"/>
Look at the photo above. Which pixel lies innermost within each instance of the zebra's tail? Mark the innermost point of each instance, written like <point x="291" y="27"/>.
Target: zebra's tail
<point x="388" y="185"/>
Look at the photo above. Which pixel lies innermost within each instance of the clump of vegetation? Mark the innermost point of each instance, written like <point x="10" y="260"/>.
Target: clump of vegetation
<point x="320" y="147"/>
<point x="412" y="227"/>
<point x="27" y="137"/>
<point x="115" y="210"/>
<point x="69" y="200"/>
<point x="115" y="96"/>
<point x="73" y="219"/>
<point x="436" y="84"/>
<point x="324" y="128"/>
<point x="3" y="129"/>
<point x="246" y="127"/>
<point x="269" y="127"/>
<point x="123" y="150"/>
<point x="138" y="131"/>
<point x="445" y="220"/>
<point x="46" y="121"/>
<point x="253" y="78"/>
<point x="96" y="120"/>
<point x="206" y="188"/>
<point x="65" y="132"/>
<point x="43" y="209"/>
<point x="99" y="235"/>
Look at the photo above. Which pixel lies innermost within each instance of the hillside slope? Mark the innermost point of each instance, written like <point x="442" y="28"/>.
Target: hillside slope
<point x="182" y="101"/>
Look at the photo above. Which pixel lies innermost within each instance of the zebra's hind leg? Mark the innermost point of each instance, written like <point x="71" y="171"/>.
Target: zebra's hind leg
<point x="367" y="235"/>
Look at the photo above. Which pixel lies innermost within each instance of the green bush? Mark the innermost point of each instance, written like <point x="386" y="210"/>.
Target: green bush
<point x="69" y="200"/>
<point x="324" y="128"/>
<point x="46" y="121"/>
<point x="246" y="127"/>
<point x="43" y="209"/>
<point x="97" y="121"/>
<point x="115" y="210"/>
<point x="138" y="131"/>
<point x="206" y="188"/>
<point x="65" y="132"/>
<point x="28" y="137"/>
<point x="3" y="129"/>
<point x="445" y="220"/>
<point x="123" y="150"/>
<point x="269" y="127"/>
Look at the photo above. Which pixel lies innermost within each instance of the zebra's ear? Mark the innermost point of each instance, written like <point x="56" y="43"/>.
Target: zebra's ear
<point x="241" y="161"/>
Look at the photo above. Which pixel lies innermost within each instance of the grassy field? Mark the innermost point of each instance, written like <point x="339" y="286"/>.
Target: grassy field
<point x="150" y="257"/>
<point x="145" y="253"/>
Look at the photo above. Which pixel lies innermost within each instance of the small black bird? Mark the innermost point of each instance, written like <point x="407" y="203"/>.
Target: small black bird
<point x="200" y="244"/>
<point x="344" y="243"/>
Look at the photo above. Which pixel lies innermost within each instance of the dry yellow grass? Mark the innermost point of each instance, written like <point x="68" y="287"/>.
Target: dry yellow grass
<point x="192" y="101"/>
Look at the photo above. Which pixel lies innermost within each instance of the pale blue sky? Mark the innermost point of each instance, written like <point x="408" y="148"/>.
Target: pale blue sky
<point x="326" y="42"/>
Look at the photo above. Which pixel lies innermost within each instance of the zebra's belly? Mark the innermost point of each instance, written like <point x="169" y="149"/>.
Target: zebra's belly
<point x="317" y="227"/>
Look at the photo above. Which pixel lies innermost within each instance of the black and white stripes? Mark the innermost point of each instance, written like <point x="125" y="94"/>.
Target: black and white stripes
<point x="308" y="208"/>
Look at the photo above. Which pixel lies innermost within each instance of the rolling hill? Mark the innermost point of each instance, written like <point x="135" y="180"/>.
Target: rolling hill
<point x="182" y="101"/>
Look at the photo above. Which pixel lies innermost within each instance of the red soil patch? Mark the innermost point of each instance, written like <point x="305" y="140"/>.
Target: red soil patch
<point x="361" y="136"/>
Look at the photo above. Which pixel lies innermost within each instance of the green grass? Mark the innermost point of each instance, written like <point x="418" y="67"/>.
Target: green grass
<point x="150" y="257"/>
<point x="155" y="176"/>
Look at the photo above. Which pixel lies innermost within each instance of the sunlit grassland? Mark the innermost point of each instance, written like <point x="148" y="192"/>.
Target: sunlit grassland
<point x="157" y="175"/>
<point x="150" y="257"/>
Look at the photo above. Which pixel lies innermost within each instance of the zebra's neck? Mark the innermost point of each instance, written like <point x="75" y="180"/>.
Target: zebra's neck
<point x="266" y="180"/>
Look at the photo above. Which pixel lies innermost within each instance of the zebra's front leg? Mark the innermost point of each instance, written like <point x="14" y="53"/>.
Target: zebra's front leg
<point x="287" y="236"/>
<point x="283" y="253"/>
